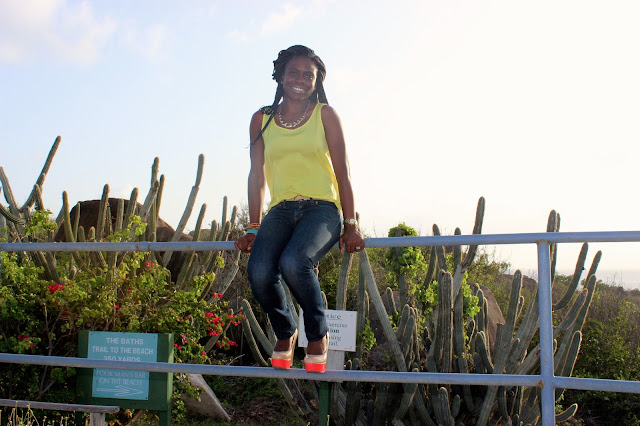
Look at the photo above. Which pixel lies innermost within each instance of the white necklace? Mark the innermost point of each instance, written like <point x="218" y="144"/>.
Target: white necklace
<point x="295" y="123"/>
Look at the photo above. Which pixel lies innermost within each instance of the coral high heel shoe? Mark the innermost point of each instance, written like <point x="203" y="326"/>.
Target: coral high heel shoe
<point x="317" y="363"/>
<point x="283" y="359"/>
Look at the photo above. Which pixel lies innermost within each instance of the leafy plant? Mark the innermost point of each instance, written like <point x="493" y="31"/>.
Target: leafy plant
<point x="43" y="317"/>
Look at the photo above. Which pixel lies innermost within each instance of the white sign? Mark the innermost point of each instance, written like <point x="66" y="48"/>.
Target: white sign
<point x="342" y="330"/>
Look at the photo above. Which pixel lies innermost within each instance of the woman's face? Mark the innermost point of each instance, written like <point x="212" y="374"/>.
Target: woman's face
<point x="299" y="79"/>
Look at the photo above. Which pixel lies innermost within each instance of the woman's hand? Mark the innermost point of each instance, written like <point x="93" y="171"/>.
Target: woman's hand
<point x="351" y="240"/>
<point x="245" y="243"/>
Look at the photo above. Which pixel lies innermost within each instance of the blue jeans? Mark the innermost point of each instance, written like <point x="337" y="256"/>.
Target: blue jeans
<point x="293" y="237"/>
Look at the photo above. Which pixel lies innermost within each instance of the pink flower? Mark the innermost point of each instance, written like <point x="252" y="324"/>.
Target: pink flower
<point x="209" y="314"/>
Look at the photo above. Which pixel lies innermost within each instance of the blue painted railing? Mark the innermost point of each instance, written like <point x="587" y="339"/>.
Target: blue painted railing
<point x="546" y="380"/>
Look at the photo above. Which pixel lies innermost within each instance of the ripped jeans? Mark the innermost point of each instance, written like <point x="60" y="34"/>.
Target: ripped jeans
<point x="293" y="237"/>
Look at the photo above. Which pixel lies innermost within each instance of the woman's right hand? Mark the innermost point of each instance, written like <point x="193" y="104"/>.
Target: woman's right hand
<point x="245" y="243"/>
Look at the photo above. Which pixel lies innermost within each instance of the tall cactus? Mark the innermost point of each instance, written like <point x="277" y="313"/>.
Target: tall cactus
<point x="456" y="344"/>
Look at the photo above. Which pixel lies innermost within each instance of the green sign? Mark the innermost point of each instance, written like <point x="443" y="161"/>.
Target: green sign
<point x="133" y="347"/>
<point x="126" y="388"/>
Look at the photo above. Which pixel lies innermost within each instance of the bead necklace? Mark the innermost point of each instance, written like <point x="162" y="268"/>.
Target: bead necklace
<point x="295" y="123"/>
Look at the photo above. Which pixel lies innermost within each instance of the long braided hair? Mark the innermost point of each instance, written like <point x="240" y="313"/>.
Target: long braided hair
<point x="278" y="70"/>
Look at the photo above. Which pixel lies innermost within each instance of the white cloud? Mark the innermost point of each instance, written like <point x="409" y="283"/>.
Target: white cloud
<point x="278" y="21"/>
<point x="237" y="35"/>
<point x="52" y="29"/>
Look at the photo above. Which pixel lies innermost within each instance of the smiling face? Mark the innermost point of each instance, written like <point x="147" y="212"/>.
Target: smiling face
<point x="299" y="79"/>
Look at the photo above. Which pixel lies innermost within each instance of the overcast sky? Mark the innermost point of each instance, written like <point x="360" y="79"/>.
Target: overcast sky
<point x="533" y="105"/>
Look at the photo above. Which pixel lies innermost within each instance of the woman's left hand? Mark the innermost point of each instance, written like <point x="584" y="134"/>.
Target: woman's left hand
<point x="351" y="240"/>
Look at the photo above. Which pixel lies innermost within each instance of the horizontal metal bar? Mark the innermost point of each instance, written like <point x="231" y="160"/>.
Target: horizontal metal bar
<point x="606" y="385"/>
<point x="294" y="373"/>
<point x="426" y="241"/>
<point x="59" y="406"/>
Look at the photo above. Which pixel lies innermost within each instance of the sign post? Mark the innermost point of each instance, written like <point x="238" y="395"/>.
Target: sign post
<point x="127" y="388"/>
<point x="342" y="333"/>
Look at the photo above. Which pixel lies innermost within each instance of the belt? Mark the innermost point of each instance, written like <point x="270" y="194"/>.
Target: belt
<point x="299" y="198"/>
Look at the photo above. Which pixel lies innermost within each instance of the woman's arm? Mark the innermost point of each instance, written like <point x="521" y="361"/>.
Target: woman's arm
<point x="256" y="183"/>
<point x="351" y="240"/>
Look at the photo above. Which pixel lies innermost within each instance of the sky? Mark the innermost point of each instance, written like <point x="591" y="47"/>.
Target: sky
<point x="532" y="105"/>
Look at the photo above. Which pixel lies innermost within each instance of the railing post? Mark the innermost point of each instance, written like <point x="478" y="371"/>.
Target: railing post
<point x="546" y="334"/>
<point x="325" y="402"/>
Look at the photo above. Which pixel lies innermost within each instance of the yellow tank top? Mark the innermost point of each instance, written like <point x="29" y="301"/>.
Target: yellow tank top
<point x="297" y="161"/>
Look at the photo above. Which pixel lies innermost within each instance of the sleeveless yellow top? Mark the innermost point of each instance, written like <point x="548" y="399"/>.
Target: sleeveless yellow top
<point x="297" y="161"/>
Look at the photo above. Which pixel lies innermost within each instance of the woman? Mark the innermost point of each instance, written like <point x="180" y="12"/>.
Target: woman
<point x="298" y="150"/>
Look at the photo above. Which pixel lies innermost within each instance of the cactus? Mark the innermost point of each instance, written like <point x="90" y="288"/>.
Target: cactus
<point x="459" y="345"/>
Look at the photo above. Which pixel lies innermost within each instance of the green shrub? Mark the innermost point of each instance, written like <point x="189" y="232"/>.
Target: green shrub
<point x="42" y="317"/>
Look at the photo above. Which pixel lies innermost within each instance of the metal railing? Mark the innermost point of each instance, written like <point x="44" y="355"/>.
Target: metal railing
<point x="546" y="380"/>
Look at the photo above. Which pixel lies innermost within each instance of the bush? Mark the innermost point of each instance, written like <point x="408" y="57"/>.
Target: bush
<point x="43" y="317"/>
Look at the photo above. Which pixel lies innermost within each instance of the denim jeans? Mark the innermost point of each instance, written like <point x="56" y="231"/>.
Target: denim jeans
<point x="293" y="237"/>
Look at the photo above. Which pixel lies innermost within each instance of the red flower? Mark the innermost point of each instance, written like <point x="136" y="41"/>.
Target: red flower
<point x="55" y="287"/>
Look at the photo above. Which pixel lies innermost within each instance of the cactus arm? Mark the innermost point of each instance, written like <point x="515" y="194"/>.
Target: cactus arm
<point x="267" y="345"/>
<point x="102" y="213"/>
<point x="131" y="207"/>
<point x="33" y="197"/>
<point x="391" y="303"/>
<point x="443" y="399"/>
<point x="459" y="347"/>
<point x="149" y="200"/>
<point x="225" y="202"/>
<point x="480" y="319"/>
<point x="354" y="395"/>
<point x="504" y="344"/>
<point x="381" y="402"/>
<point x="182" y="276"/>
<point x="477" y="229"/>
<point x="457" y="251"/>
<point x="68" y="230"/>
<point x="567" y="414"/>
<point x="188" y="209"/>
<point x="253" y="345"/>
<point x="444" y="353"/>
<point x="343" y="278"/>
<point x="483" y="351"/>
<point x="6" y="213"/>
<point x="575" y="280"/>
<point x="442" y="261"/>
<point x="230" y="275"/>
<point x="572" y="315"/>
<point x="8" y="192"/>
<point x="407" y="341"/>
<point x="158" y="201"/>
<point x="407" y="399"/>
<point x="579" y="322"/>
<point x="594" y="264"/>
<point x="553" y="225"/>
<point x="503" y="348"/>
<point x="456" y="404"/>
<point x="39" y="203"/>
<point x="112" y="256"/>
<point x="502" y="403"/>
<point x="431" y="269"/>
<point x="402" y="322"/>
